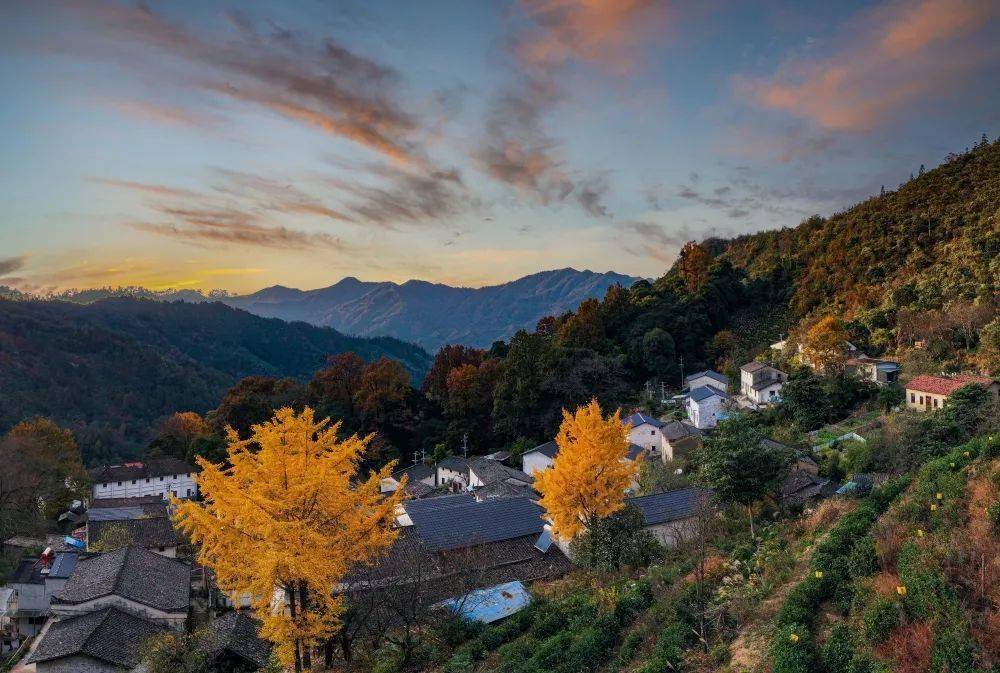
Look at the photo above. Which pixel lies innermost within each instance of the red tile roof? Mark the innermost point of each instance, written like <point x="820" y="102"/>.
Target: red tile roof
<point x="937" y="385"/>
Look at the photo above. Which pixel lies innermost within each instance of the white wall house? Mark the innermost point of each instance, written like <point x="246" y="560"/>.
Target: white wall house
<point x="539" y="458"/>
<point x="761" y="383"/>
<point x="646" y="431"/>
<point x="709" y="378"/>
<point x="704" y="406"/>
<point x="31" y="586"/>
<point x="929" y="393"/>
<point x="164" y="477"/>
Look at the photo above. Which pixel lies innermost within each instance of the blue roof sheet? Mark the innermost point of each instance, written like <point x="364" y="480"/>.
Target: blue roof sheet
<point x="721" y="378"/>
<point x="639" y="418"/>
<point x="492" y="604"/>
<point x="704" y="392"/>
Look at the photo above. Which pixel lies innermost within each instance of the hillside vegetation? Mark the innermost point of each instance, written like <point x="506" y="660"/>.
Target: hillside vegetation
<point x="111" y="370"/>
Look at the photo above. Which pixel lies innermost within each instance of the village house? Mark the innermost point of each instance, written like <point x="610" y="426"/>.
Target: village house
<point x="25" y="599"/>
<point x="104" y="641"/>
<point x="141" y="521"/>
<point x="644" y="432"/>
<point x="420" y="480"/>
<point x="164" y="477"/>
<point x="233" y="643"/>
<point x="707" y="378"/>
<point x="109" y="606"/>
<point x="543" y="456"/>
<point x="760" y="383"/>
<point x="927" y="393"/>
<point x="705" y="406"/>
<point x="671" y="516"/>
<point x="679" y="439"/>
<point x="875" y="370"/>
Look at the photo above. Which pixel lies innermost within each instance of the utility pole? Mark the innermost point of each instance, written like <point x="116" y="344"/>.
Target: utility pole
<point x="415" y="457"/>
<point x="465" y="444"/>
<point x="682" y="371"/>
<point x="663" y="392"/>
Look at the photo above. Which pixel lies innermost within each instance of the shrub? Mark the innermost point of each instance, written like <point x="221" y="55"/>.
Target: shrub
<point x="880" y="620"/>
<point x="793" y="650"/>
<point x="460" y="662"/>
<point x="838" y="650"/>
<point x="993" y="513"/>
<point x="630" y="646"/>
<point x="954" y="650"/>
<point x="863" y="560"/>
<point x="668" y="651"/>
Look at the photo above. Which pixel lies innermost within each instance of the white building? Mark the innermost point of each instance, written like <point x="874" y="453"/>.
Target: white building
<point x="761" y="383"/>
<point x="30" y="589"/>
<point x="707" y="378"/>
<point x="164" y="477"/>
<point x="539" y="458"/>
<point x="672" y="516"/>
<point x="647" y="432"/>
<point x="704" y="406"/>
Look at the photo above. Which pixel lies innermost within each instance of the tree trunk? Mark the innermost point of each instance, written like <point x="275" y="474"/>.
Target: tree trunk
<point x="303" y="602"/>
<point x="750" y="514"/>
<point x="290" y="592"/>
<point x="346" y="647"/>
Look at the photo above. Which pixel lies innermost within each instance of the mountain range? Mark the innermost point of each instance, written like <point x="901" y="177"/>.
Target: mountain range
<point x="429" y="314"/>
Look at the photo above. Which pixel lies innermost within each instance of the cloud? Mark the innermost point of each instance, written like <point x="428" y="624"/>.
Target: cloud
<point x="515" y="147"/>
<point x="402" y="195"/>
<point x="146" y="188"/>
<point x="274" y="195"/>
<point x="322" y="84"/>
<point x="590" y="194"/>
<point x="233" y="226"/>
<point x="9" y="265"/>
<point x="657" y="241"/>
<point x="169" y="115"/>
<point x="889" y="57"/>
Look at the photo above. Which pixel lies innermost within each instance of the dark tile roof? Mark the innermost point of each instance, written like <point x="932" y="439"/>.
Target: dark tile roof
<point x="454" y="463"/>
<point x="634" y="451"/>
<point x="549" y="449"/>
<point x="158" y="467"/>
<point x="767" y="383"/>
<point x="671" y="505"/>
<point x="772" y="444"/>
<point x="801" y="486"/>
<point x="753" y="366"/>
<point x="110" y="635"/>
<point x="418" y="489"/>
<point x="441" y="502"/>
<point x="146" y="532"/>
<point x="149" y="510"/>
<point x="138" y="501"/>
<point x="475" y="523"/>
<point x="133" y="573"/>
<point x="512" y="488"/>
<point x="238" y="634"/>
<point x="415" y="472"/>
<point x="639" y="418"/>
<point x="704" y="392"/>
<point x="30" y="570"/>
<point x="491" y="471"/>
<point x="675" y="430"/>
<point x="721" y="378"/>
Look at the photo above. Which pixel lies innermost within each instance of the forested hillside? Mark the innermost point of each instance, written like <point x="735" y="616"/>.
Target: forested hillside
<point x="112" y="369"/>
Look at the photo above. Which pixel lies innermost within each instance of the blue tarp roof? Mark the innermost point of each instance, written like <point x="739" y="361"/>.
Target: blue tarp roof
<point x="492" y="604"/>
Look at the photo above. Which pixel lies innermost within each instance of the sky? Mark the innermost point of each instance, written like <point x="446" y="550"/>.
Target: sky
<point x="237" y="145"/>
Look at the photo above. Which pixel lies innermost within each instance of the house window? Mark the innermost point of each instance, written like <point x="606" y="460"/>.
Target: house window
<point x="162" y="549"/>
<point x="935" y="403"/>
<point x="133" y="481"/>
<point x="652" y="432"/>
<point x="147" y="480"/>
<point x="921" y="399"/>
<point x="913" y="397"/>
<point x="188" y="493"/>
<point x="161" y="478"/>
<point x="119" y="483"/>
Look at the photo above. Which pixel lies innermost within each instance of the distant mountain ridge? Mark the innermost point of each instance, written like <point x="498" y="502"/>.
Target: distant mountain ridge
<point x="434" y="314"/>
<point x="429" y="314"/>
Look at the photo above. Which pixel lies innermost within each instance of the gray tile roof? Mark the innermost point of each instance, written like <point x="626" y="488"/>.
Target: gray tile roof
<point x="148" y="532"/>
<point x="440" y="502"/>
<point x="721" y="378"/>
<point x="639" y="418"/>
<point x="136" y="501"/>
<point x="753" y="366"/>
<point x="415" y="472"/>
<point x="490" y="471"/>
<point x="158" y="467"/>
<point x="511" y="488"/>
<point x="476" y="523"/>
<point x="110" y="635"/>
<point x="238" y="634"/>
<point x="549" y="449"/>
<point x="29" y="570"/>
<point x="704" y="392"/>
<point x="634" y="451"/>
<point x="670" y="505"/>
<point x="133" y="573"/>
<point x="675" y="430"/>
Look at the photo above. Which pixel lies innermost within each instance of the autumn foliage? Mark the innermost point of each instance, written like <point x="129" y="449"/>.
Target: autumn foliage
<point x="825" y="344"/>
<point x="590" y="473"/>
<point x="290" y="517"/>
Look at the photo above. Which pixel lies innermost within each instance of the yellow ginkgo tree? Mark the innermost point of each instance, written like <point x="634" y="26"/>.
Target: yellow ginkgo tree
<point x="590" y="473"/>
<point x="286" y="521"/>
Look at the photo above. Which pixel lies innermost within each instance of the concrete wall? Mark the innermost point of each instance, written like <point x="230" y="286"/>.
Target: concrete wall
<point x="921" y="401"/>
<point x="181" y="485"/>
<point x="647" y="436"/>
<point x="672" y="533"/>
<point x="704" y="414"/>
<point x="535" y="462"/>
<point x="706" y="381"/>
<point x="174" y="620"/>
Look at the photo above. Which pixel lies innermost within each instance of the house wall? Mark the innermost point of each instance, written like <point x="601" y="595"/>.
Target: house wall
<point x="76" y="664"/>
<point x="174" y="620"/>
<point x="181" y="485"/>
<point x="766" y="395"/>
<point x="672" y="533"/>
<point x="706" y="381"/>
<point x="446" y="476"/>
<point x="704" y="414"/>
<point x="680" y="447"/>
<point x="535" y="462"/>
<point x="647" y="436"/>
<point x="921" y="401"/>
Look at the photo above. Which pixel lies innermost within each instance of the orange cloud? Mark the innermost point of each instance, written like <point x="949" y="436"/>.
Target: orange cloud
<point x="158" y="113"/>
<point x="899" y="53"/>
<point x="598" y="31"/>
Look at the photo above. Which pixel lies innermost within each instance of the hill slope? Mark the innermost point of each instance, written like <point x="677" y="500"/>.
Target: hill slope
<point x="110" y="369"/>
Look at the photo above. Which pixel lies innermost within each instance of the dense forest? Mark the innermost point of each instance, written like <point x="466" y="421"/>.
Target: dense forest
<point x="112" y="370"/>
